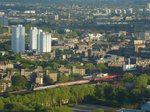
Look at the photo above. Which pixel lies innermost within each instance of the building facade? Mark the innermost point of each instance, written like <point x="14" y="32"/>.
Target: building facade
<point x="18" y="39"/>
<point x="45" y="43"/>
<point x="4" y="20"/>
<point x="33" y="38"/>
<point x="40" y="41"/>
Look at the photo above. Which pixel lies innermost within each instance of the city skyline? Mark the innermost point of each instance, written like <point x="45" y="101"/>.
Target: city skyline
<point x="74" y="55"/>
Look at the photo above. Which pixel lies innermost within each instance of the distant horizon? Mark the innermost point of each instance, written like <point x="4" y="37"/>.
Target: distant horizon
<point x="115" y="3"/>
<point x="75" y="0"/>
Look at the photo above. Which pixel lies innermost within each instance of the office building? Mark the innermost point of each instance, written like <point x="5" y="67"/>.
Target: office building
<point x="18" y="39"/>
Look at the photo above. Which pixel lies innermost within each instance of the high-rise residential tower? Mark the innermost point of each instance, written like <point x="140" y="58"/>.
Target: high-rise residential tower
<point x="33" y="38"/>
<point x="40" y="41"/>
<point x="18" y="39"/>
<point x="4" y="20"/>
<point x="45" y="42"/>
<point x="148" y="6"/>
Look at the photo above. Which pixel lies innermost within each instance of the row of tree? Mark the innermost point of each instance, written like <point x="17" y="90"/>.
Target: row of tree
<point x="130" y="90"/>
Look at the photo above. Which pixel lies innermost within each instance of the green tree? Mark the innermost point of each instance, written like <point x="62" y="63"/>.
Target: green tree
<point x="39" y="108"/>
<point x="48" y="80"/>
<point x="122" y="37"/>
<point x="141" y="81"/>
<point x="128" y="77"/>
<point x="77" y="64"/>
<point x="3" y="30"/>
<point x="99" y="91"/>
<point x="1" y="105"/>
<point x="109" y="92"/>
<point x="135" y="95"/>
<point x="16" y="107"/>
<point x="61" y="109"/>
<point x="17" y="57"/>
<point x="98" y="110"/>
<point x="101" y="66"/>
<point x="55" y="65"/>
<point x="19" y="82"/>
<point x="5" y="46"/>
<point x="121" y="95"/>
<point x="74" y="76"/>
<point x="63" y="78"/>
<point x="62" y="95"/>
<point x="90" y="66"/>
<point x="71" y="35"/>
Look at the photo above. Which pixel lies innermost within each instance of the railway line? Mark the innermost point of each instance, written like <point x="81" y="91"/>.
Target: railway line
<point x="91" y="80"/>
<point x="80" y="82"/>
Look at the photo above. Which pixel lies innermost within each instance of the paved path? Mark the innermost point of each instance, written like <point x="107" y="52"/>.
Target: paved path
<point x="89" y="108"/>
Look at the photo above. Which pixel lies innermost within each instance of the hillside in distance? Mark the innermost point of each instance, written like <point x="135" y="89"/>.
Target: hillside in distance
<point x="78" y="1"/>
<point x="86" y="2"/>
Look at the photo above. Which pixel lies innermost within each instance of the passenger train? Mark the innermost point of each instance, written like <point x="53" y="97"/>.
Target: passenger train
<point x="78" y="82"/>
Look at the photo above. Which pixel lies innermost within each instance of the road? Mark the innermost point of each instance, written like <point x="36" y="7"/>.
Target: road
<point x="89" y="108"/>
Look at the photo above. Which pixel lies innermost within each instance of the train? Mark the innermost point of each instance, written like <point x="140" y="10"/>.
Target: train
<point x="69" y="83"/>
<point x="44" y="87"/>
<point x="78" y="82"/>
<point x="106" y="78"/>
<point x="73" y="82"/>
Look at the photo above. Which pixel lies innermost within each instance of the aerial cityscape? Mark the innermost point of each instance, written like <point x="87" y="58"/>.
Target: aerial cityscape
<point x="74" y="55"/>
